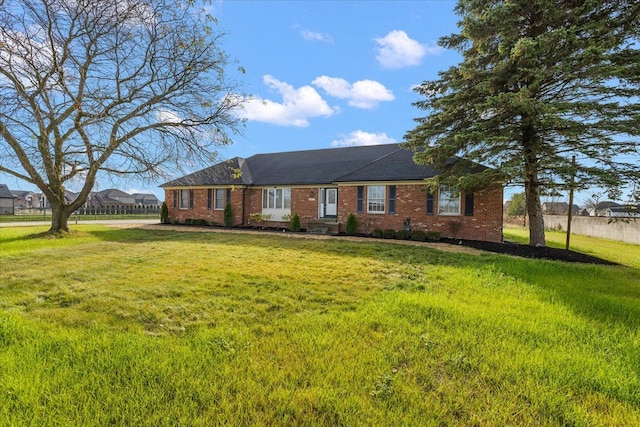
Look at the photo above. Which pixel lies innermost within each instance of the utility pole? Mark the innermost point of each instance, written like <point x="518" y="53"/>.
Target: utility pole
<point x="570" y="214"/>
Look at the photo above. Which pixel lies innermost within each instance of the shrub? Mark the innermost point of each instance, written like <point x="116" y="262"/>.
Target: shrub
<point x="214" y="223"/>
<point x="352" y="225"/>
<point x="259" y="217"/>
<point x="418" y="235"/>
<point x="377" y="233"/>
<point x="389" y="233"/>
<point x="200" y="222"/>
<point x="294" y="224"/>
<point x="228" y="215"/>
<point x="403" y="234"/>
<point x="188" y="221"/>
<point x="164" y="213"/>
<point x="433" y="236"/>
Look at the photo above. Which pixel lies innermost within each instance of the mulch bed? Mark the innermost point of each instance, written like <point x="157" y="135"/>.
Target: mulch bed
<point x="526" y="251"/>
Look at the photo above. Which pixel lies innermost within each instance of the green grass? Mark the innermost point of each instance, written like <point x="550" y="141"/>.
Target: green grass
<point x="140" y="327"/>
<point x="622" y="253"/>
<point x="34" y="217"/>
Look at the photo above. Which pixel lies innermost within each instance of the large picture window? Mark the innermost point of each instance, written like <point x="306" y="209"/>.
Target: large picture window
<point x="375" y="198"/>
<point x="276" y="202"/>
<point x="276" y="198"/>
<point x="448" y="200"/>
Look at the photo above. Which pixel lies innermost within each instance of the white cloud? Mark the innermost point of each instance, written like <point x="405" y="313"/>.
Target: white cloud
<point x="297" y="107"/>
<point x="365" y="94"/>
<point x="397" y="50"/>
<point x="315" y="37"/>
<point x="359" y="138"/>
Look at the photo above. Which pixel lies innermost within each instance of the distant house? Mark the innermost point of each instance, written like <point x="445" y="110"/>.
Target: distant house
<point x="559" y="208"/>
<point x="142" y="199"/>
<point x="7" y="201"/>
<point x="623" y="211"/>
<point x="27" y="199"/>
<point x="381" y="185"/>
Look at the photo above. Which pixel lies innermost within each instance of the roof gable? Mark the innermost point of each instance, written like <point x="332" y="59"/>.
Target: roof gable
<point x="5" y="193"/>
<point x="230" y="172"/>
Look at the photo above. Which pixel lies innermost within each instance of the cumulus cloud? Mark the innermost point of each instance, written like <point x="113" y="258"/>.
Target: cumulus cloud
<point x="297" y="107"/>
<point x="397" y="50"/>
<point x="365" y="94"/>
<point x="359" y="138"/>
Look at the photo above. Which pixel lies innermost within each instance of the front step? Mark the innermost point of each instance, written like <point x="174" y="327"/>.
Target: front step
<point x="323" y="227"/>
<point x="319" y="230"/>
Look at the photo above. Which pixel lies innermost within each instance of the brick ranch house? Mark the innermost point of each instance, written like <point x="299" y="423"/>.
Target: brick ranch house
<point x="380" y="184"/>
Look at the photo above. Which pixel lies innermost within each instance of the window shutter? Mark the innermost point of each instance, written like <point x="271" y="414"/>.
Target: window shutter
<point x="209" y="198"/>
<point x="392" y="199"/>
<point x="228" y="196"/>
<point x="468" y="204"/>
<point x="175" y="199"/>
<point x="360" y="207"/>
<point x="190" y="199"/>
<point x="429" y="203"/>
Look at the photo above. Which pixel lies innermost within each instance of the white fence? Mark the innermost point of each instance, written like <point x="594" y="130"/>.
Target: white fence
<point x="598" y="227"/>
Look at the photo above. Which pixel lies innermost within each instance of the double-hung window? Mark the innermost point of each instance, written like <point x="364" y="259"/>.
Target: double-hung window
<point x="448" y="200"/>
<point x="375" y="198"/>
<point x="219" y="201"/>
<point x="184" y="199"/>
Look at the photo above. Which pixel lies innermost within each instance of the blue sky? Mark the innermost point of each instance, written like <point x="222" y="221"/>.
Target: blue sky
<point x="324" y="73"/>
<point x="329" y="73"/>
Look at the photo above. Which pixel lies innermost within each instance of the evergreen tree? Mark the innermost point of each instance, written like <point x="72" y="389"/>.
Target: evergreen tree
<point x="540" y="81"/>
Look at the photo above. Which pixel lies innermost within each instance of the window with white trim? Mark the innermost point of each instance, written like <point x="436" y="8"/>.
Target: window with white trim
<point x="220" y="196"/>
<point x="448" y="200"/>
<point x="375" y="198"/>
<point x="184" y="199"/>
<point x="276" y="202"/>
<point x="276" y="198"/>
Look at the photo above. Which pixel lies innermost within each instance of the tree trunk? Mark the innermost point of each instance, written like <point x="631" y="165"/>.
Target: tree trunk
<point x="59" y="217"/>
<point x="534" y="209"/>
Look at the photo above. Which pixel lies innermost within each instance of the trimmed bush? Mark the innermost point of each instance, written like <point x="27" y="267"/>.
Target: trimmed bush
<point x="188" y="221"/>
<point x="164" y="213"/>
<point x="200" y="222"/>
<point x="377" y="233"/>
<point x="433" y="236"/>
<point x="352" y="225"/>
<point x="294" y="224"/>
<point x="228" y="215"/>
<point x="403" y="234"/>
<point x="389" y="233"/>
<point x="418" y="235"/>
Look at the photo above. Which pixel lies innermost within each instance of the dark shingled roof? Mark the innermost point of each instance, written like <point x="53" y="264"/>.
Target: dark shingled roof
<point x="5" y="193"/>
<point x="225" y="173"/>
<point x="387" y="162"/>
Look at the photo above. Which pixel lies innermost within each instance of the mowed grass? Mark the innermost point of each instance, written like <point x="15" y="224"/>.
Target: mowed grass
<point x="622" y="253"/>
<point x="158" y="327"/>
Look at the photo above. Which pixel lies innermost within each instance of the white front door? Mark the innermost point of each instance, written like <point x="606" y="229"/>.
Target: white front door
<point x="330" y="202"/>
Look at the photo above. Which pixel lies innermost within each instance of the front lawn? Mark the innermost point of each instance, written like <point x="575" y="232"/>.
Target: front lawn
<point x="160" y="327"/>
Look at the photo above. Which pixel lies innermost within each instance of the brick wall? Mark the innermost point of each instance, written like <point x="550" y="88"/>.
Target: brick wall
<point x="200" y="209"/>
<point x="485" y="224"/>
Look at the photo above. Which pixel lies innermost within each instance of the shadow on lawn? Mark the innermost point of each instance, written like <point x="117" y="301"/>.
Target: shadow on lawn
<point x="603" y="293"/>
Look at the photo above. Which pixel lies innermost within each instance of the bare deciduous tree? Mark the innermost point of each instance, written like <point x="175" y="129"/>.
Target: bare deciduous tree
<point x="92" y="86"/>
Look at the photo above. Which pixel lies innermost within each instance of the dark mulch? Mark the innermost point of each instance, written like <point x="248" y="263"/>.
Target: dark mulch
<point x="526" y="251"/>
